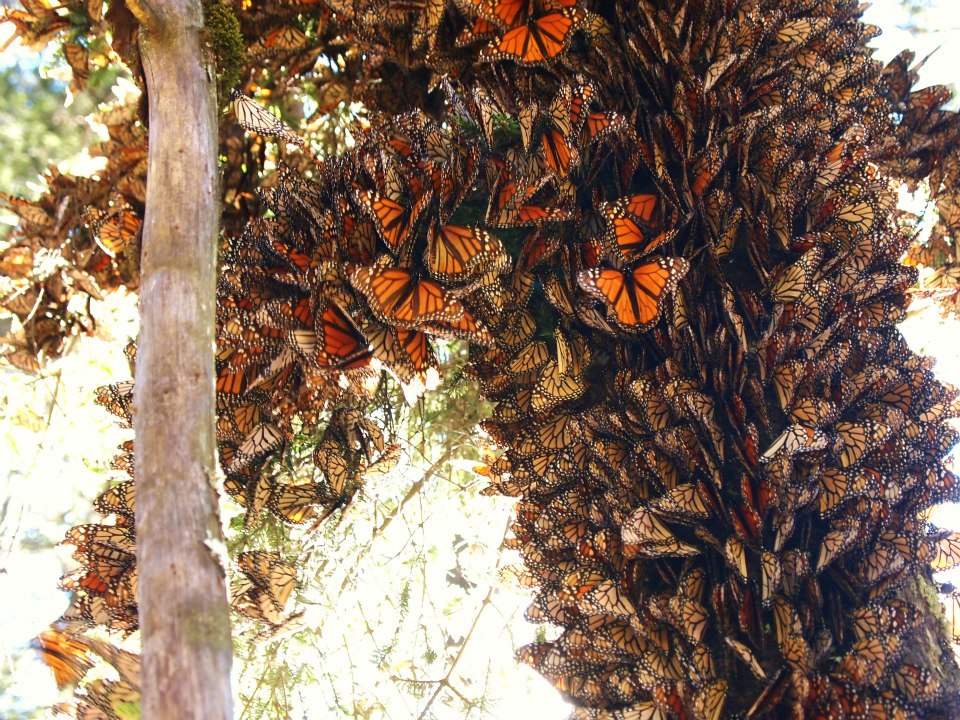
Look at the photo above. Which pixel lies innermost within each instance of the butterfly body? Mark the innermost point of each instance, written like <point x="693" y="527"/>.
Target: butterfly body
<point x="634" y="298"/>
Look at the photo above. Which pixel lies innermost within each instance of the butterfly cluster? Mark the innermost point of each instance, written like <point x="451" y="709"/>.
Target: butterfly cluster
<point x="71" y="655"/>
<point x="264" y="587"/>
<point x="720" y="433"/>
<point x="668" y="236"/>
<point x="81" y="238"/>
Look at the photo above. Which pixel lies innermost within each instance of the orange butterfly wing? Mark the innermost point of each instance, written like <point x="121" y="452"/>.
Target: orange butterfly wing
<point x="556" y="152"/>
<point x="509" y="12"/>
<point x="342" y="345"/>
<point x="66" y="656"/>
<point x="118" y="231"/>
<point x="536" y="41"/>
<point x="635" y="298"/>
<point x="398" y="298"/>
<point x="630" y="240"/>
<point x="391" y="217"/>
<point x="457" y="253"/>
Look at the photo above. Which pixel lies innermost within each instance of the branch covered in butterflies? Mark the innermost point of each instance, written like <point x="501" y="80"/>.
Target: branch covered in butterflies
<point x="670" y="244"/>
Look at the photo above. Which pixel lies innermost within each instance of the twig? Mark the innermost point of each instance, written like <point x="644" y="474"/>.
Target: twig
<point x="413" y="491"/>
<point x="445" y="682"/>
<point x="32" y="465"/>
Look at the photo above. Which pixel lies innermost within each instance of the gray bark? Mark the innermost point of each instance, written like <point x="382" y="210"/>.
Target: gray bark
<point x="184" y="611"/>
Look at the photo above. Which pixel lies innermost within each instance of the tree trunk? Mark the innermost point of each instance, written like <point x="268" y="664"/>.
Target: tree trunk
<point x="183" y="604"/>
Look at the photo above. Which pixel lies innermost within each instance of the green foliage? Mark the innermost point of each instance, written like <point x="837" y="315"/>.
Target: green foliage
<point x="390" y="590"/>
<point x="227" y="44"/>
<point x="37" y="126"/>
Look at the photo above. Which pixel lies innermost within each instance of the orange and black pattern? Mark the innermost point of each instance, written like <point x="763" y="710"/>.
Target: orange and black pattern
<point x="668" y="234"/>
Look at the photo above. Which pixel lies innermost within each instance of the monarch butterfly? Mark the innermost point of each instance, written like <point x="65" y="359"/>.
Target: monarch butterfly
<point x="78" y="57"/>
<point x="65" y="654"/>
<point x="295" y="503"/>
<point x="265" y="588"/>
<point x="455" y="254"/>
<point x="634" y="298"/>
<point x="793" y="647"/>
<point x="684" y="500"/>
<point x="86" y="537"/>
<point x="262" y="440"/>
<point x="112" y="699"/>
<point x="282" y="310"/>
<point x="529" y="358"/>
<point x="517" y="329"/>
<point x="386" y="462"/>
<point x="482" y="29"/>
<point x="857" y="439"/>
<point x="234" y="423"/>
<point x="786" y="377"/>
<point x="691" y="617"/>
<point x="467" y="327"/>
<point x="794" y="279"/>
<point x="736" y="555"/>
<point x="527" y="118"/>
<point x="556" y="152"/>
<point x="626" y="234"/>
<point x="892" y="616"/>
<point x="103" y="568"/>
<point x="282" y="39"/>
<point x="28" y="211"/>
<point x="794" y="440"/>
<point x="407" y="353"/>
<point x="117" y="398"/>
<point x="867" y="660"/>
<point x="341" y="344"/>
<point x="642" y="528"/>
<point x="656" y="411"/>
<point x="552" y="607"/>
<point x="270" y="572"/>
<point x="554" y="387"/>
<point x="231" y="382"/>
<point x="253" y="117"/>
<point x="813" y="411"/>
<point x="947" y="553"/>
<point x="507" y="14"/>
<point x="915" y="683"/>
<point x="598" y="124"/>
<point x="536" y="41"/>
<point x="835" y="542"/>
<point x="884" y="561"/>
<point x="708" y="702"/>
<point x="338" y="471"/>
<point x="559" y="432"/>
<point x="573" y="354"/>
<point x="127" y="664"/>
<point x="256" y="496"/>
<point x="745" y="654"/>
<point x="705" y="167"/>
<point x="546" y="657"/>
<point x="297" y="259"/>
<point x="392" y="220"/>
<point x="595" y="592"/>
<point x="509" y="208"/>
<point x="119" y="500"/>
<point x="397" y="297"/>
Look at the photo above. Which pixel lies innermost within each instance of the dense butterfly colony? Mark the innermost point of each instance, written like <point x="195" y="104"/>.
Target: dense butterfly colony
<point x="81" y="238"/>
<point x="669" y="237"/>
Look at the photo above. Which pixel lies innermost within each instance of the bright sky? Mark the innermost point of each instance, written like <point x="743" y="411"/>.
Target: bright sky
<point x="943" y="38"/>
<point x="32" y="475"/>
<point x="926" y="332"/>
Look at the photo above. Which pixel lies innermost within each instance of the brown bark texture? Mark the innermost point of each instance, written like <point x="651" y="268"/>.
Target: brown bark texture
<point x="184" y="611"/>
